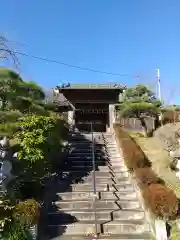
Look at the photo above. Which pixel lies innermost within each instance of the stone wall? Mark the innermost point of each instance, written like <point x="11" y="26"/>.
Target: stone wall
<point x="134" y="124"/>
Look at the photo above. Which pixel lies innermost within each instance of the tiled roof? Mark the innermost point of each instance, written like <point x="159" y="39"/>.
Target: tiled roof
<point x="92" y="86"/>
<point x="61" y="100"/>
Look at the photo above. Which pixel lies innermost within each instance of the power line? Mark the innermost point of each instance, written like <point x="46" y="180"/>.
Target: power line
<point x="70" y="65"/>
<point x="66" y="64"/>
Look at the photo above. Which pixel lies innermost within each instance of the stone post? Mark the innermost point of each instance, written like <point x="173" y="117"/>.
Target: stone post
<point x="161" y="232"/>
<point x="111" y="116"/>
<point x="6" y="166"/>
<point x="71" y="118"/>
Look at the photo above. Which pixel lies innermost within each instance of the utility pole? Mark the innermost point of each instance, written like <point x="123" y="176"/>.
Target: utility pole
<point x="159" y="94"/>
<point x="159" y="85"/>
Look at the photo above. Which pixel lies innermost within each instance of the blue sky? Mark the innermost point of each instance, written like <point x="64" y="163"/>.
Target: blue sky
<point x="132" y="37"/>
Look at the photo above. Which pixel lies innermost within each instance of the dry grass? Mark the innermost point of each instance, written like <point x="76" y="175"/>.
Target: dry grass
<point x="153" y="149"/>
<point x="157" y="197"/>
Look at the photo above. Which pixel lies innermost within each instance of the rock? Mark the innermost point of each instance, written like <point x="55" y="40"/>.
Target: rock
<point x="175" y="154"/>
<point x="4" y="142"/>
<point x="3" y="153"/>
<point x="15" y="155"/>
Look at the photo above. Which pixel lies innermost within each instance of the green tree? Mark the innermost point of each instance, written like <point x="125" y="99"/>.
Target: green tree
<point x="139" y="102"/>
<point x="17" y="94"/>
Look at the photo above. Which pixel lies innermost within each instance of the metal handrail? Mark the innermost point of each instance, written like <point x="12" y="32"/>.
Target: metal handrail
<point x="94" y="182"/>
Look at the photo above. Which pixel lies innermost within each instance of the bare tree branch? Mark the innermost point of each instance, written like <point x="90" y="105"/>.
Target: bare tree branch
<point x="7" y="53"/>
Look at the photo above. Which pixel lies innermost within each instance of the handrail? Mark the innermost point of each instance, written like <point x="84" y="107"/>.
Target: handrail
<point x="94" y="181"/>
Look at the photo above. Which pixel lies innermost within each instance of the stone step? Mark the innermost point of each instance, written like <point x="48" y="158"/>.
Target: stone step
<point x="123" y="187"/>
<point x="67" y="196"/>
<point x="144" y="236"/>
<point x="74" y="216"/>
<point x="76" y="195"/>
<point x="124" y="215"/>
<point x="100" y="204"/>
<point x="84" y="150"/>
<point x="116" y="227"/>
<point x="87" y="153"/>
<point x="98" y="173"/>
<point x="73" y="229"/>
<point x="87" y="144"/>
<point x="113" y="169"/>
<point x="85" y="158"/>
<point x="69" y="167"/>
<point x="117" y="164"/>
<point x="118" y="195"/>
<point x="86" y="187"/>
<point x="101" y="187"/>
<point x="109" y="180"/>
<point x="101" y="216"/>
<point x="110" y="228"/>
<point x="88" y="162"/>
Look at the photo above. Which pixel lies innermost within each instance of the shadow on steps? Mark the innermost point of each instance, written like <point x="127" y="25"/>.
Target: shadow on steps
<point x="77" y="166"/>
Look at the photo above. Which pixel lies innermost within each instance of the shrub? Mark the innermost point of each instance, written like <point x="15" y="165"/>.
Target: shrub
<point x="16" y="231"/>
<point x="25" y="188"/>
<point x="133" y="155"/>
<point x="39" y="141"/>
<point x="161" y="201"/>
<point x="146" y="176"/>
<point x="39" y="144"/>
<point x="27" y="212"/>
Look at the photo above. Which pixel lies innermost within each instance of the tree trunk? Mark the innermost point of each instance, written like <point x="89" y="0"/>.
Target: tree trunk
<point x="143" y="123"/>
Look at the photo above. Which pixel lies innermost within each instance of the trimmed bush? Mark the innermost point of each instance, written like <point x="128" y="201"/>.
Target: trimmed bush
<point x="161" y="201"/>
<point x="133" y="155"/>
<point x="146" y="177"/>
<point x="27" y="212"/>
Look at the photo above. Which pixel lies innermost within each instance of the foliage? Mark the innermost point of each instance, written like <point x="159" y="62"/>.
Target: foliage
<point x="17" y="94"/>
<point x="39" y="145"/>
<point x="16" y="218"/>
<point x="7" y="129"/>
<point x="139" y="102"/>
<point x="6" y="211"/>
<point x="27" y="212"/>
<point x="39" y="136"/>
<point x="9" y="116"/>
<point x="37" y="140"/>
<point x="16" y="231"/>
<point x="161" y="200"/>
<point x="10" y="87"/>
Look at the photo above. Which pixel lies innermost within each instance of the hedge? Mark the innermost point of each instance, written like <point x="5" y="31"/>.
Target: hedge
<point x="146" y="176"/>
<point x="159" y="199"/>
<point x="133" y="155"/>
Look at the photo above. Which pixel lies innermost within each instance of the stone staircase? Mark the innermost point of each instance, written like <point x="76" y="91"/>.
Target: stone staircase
<point x="116" y="212"/>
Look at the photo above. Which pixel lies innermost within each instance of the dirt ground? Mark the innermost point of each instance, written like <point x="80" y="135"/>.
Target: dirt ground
<point x="154" y="150"/>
